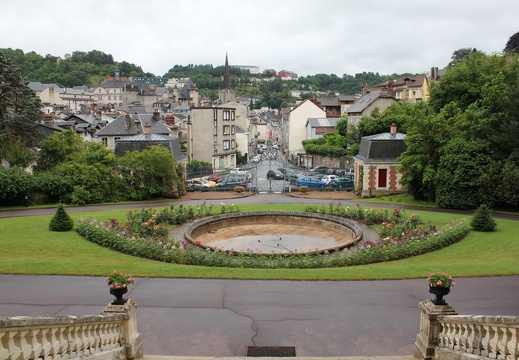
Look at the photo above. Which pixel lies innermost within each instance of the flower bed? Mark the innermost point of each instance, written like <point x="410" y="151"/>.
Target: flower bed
<point x="401" y="237"/>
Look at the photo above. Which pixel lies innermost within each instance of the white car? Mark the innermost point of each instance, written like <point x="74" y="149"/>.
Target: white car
<point x="328" y="178"/>
<point x="255" y="158"/>
<point x="239" y="171"/>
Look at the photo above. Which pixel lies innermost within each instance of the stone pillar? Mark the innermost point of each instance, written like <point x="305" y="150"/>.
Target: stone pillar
<point x="131" y="339"/>
<point x="430" y="328"/>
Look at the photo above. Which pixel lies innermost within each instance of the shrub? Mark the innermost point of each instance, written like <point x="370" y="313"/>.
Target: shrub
<point x="303" y="189"/>
<point x="482" y="219"/>
<point x="239" y="189"/>
<point x="61" y="221"/>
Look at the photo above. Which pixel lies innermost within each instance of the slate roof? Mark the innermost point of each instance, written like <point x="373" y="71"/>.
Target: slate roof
<point x="141" y="142"/>
<point x="362" y="103"/>
<point x="381" y="147"/>
<point x="327" y="101"/>
<point x="118" y="126"/>
<point x="322" y="122"/>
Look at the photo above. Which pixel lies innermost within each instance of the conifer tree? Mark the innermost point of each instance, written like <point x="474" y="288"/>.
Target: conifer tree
<point x="61" y="221"/>
<point x="482" y="219"/>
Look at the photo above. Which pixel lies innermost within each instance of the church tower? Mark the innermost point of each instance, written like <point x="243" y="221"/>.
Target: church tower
<point x="227" y="94"/>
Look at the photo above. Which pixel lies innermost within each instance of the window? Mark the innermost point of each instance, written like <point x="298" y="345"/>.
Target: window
<point x="215" y="129"/>
<point x="233" y="144"/>
<point x="104" y="141"/>
<point x="215" y="114"/>
<point x="226" y="144"/>
<point x="109" y="97"/>
<point x="233" y="129"/>
<point x="233" y="116"/>
<point x="226" y="115"/>
<point x="226" y="129"/>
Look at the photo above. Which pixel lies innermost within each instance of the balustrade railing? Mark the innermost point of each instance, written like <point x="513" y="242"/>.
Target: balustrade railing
<point x="64" y="337"/>
<point x="72" y="337"/>
<point x="494" y="337"/>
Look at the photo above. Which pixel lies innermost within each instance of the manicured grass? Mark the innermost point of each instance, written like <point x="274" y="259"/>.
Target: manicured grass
<point x="400" y="199"/>
<point x="28" y="247"/>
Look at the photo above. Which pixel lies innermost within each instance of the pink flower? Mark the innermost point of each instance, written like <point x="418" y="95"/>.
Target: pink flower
<point x="439" y="283"/>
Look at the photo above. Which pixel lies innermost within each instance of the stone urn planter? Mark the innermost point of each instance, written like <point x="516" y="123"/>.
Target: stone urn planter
<point x="118" y="293"/>
<point x="439" y="292"/>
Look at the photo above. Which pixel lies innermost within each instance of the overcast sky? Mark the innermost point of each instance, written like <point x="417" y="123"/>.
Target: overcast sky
<point x="304" y="36"/>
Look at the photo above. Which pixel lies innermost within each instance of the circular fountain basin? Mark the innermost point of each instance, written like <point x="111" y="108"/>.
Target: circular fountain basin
<point x="274" y="232"/>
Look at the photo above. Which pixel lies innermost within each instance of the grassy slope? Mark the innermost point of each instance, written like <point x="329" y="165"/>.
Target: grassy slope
<point x="28" y="247"/>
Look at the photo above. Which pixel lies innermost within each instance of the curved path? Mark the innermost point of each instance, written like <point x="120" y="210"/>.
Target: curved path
<point x="199" y="317"/>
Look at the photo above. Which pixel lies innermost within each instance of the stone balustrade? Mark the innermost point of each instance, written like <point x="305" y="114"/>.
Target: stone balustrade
<point x="446" y="335"/>
<point x="111" y="335"/>
<point x="494" y="337"/>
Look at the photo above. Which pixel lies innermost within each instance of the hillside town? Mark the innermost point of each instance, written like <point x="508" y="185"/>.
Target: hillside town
<point x="124" y="110"/>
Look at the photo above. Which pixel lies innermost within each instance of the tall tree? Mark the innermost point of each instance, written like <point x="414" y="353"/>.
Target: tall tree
<point x="19" y="107"/>
<point x="460" y="55"/>
<point x="512" y="45"/>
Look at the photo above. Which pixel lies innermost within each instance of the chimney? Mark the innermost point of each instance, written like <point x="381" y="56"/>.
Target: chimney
<point x="138" y="125"/>
<point x="147" y="129"/>
<point x="98" y="115"/>
<point x="393" y="129"/>
<point x="127" y="120"/>
<point x="156" y="114"/>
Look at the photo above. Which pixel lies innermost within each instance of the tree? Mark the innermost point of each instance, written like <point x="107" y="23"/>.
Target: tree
<point x="512" y="45"/>
<point x="19" y="107"/>
<point x="15" y="185"/>
<point x="150" y="173"/>
<point x="460" y="55"/>
<point x="61" y="221"/>
<point x="461" y="165"/>
<point x="57" y="148"/>
<point x="482" y="219"/>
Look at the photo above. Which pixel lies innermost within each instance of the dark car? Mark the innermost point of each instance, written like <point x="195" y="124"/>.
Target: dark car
<point x="347" y="172"/>
<point x="275" y="175"/>
<point x="331" y="171"/>
<point x="232" y="180"/>
<point x="319" y="169"/>
<point x="341" y="183"/>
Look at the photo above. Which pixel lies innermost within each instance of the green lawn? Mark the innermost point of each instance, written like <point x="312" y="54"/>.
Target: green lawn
<point x="28" y="247"/>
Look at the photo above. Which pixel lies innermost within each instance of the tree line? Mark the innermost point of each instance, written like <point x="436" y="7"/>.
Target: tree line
<point x="91" y="68"/>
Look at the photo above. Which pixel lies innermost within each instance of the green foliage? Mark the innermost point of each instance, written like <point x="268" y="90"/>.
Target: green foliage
<point x="57" y="148"/>
<point x="78" y="68"/>
<point x="16" y="153"/>
<point x="457" y="178"/>
<point x="482" y="219"/>
<point x="19" y="107"/>
<point x="15" y="184"/>
<point x="150" y="173"/>
<point x="460" y="55"/>
<point x="512" y="45"/>
<point x="61" y="221"/>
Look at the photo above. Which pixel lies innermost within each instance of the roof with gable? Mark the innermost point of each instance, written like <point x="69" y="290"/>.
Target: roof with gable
<point x="322" y="122"/>
<point x="381" y="147"/>
<point x="118" y="126"/>
<point x="141" y="142"/>
<point x="328" y="101"/>
<point x="362" y="103"/>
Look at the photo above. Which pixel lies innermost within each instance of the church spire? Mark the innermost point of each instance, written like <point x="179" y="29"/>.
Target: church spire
<point x="227" y="94"/>
<point x="226" y="75"/>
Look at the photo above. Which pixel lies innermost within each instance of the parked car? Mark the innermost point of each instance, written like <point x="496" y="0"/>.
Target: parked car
<point x="275" y="175"/>
<point x="311" y="182"/>
<point x="238" y="171"/>
<point x="231" y="180"/>
<point x="197" y="185"/>
<point x="331" y="171"/>
<point x="214" y="178"/>
<point x="342" y="183"/>
<point x="256" y="158"/>
<point x="292" y="176"/>
<point x="209" y="182"/>
<point x="319" y="169"/>
<point x="328" y="178"/>
<point x="347" y="172"/>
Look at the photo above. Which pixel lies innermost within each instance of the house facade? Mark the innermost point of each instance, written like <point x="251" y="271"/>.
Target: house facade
<point x="211" y="136"/>
<point x="376" y="165"/>
<point x="364" y="105"/>
<point x="128" y="125"/>
<point x="317" y="127"/>
<point x="410" y="89"/>
<point x="71" y="99"/>
<point x="293" y="130"/>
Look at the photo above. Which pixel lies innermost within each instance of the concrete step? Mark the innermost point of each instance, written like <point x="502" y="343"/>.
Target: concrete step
<point x="159" y="357"/>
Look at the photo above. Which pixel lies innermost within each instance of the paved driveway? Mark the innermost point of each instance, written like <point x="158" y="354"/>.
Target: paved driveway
<point x="189" y="317"/>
